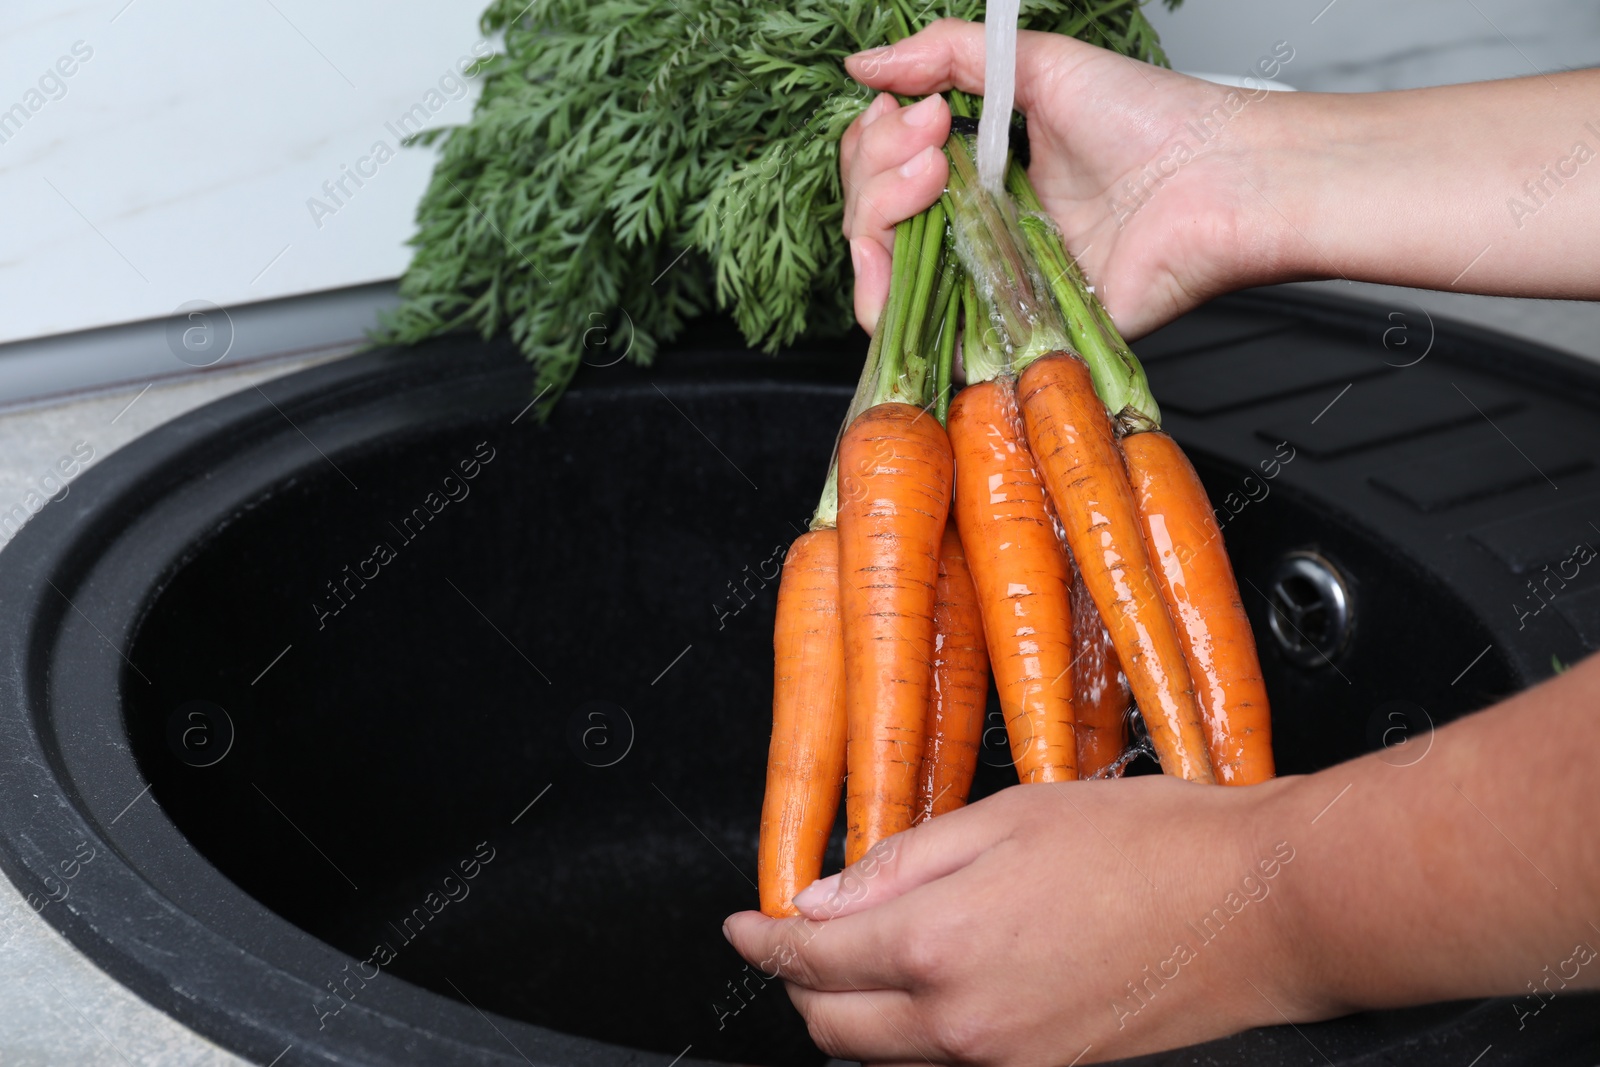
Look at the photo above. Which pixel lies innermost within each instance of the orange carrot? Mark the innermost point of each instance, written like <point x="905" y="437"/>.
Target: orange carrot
<point x="1200" y="591"/>
<point x="805" y="762"/>
<point x="1022" y="579"/>
<point x="1073" y="442"/>
<point x="1100" y="690"/>
<point x="960" y="687"/>
<point x="894" y="497"/>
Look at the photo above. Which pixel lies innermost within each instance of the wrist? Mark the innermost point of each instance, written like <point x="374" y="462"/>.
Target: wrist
<point x="1290" y="184"/>
<point x="1296" y="964"/>
<point x="1239" y="922"/>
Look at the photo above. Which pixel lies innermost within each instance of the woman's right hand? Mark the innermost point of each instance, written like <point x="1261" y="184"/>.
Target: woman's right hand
<point x="1154" y="177"/>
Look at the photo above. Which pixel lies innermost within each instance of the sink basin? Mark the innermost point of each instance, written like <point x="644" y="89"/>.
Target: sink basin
<point x="408" y="729"/>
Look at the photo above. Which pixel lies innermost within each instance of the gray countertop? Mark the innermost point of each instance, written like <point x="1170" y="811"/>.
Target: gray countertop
<point x="55" y="1006"/>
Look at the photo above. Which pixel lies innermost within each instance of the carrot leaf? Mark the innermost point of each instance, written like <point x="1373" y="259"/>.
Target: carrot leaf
<point x="636" y="164"/>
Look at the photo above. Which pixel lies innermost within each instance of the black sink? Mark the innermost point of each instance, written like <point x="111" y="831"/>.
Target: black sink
<point x="408" y="729"/>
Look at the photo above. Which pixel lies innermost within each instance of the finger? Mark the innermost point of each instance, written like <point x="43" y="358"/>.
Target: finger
<point x="949" y="55"/>
<point x="898" y="864"/>
<point x="896" y="143"/>
<point x="852" y="134"/>
<point x="898" y="135"/>
<point x="873" y="265"/>
<point x="885" y="201"/>
<point x="857" y="954"/>
<point x="892" y="196"/>
<point x="865" y="1025"/>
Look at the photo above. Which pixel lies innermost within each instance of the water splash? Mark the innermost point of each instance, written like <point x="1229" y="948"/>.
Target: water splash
<point x="999" y="91"/>
<point x="1115" y="769"/>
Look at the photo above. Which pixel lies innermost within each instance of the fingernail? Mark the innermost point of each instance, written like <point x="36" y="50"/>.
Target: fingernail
<point x="855" y="258"/>
<point x="919" y="163"/>
<point x="817" y="892"/>
<point x="875" y="110"/>
<point x="862" y="57"/>
<point x="922" y="112"/>
<point x="725" y="933"/>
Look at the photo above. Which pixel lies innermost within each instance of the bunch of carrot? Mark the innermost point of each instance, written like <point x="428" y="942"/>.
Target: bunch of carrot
<point x="1036" y="524"/>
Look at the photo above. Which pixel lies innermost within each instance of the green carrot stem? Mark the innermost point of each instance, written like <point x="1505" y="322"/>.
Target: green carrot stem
<point x="947" y="346"/>
<point x="949" y="270"/>
<point x="891" y="321"/>
<point x="826" y="517"/>
<point x="1118" y="377"/>
<point x="903" y="17"/>
<point x="914" y="378"/>
<point x="948" y="292"/>
<point x="986" y="214"/>
<point x="949" y="280"/>
<point x="995" y="251"/>
<point x="972" y="354"/>
<point x="981" y="355"/>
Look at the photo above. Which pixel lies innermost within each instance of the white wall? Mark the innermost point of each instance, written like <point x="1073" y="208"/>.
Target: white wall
<point x="177" y="160"/>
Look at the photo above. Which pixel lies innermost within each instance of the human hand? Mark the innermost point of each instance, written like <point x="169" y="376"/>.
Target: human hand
<point x="1157" y="228"/>
<point x="1043" y="926"/>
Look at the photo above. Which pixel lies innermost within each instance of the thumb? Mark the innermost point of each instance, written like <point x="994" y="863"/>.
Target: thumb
<point x="948" y="54"/>
<point x="898" y="864"/>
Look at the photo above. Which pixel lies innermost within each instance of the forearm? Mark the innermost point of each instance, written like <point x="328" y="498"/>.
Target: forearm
<point x="1492" y="187"/>
<point x="1473" y="870"/>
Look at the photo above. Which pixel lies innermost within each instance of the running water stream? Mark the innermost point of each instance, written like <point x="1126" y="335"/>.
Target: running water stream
<point x="999" y="90"/>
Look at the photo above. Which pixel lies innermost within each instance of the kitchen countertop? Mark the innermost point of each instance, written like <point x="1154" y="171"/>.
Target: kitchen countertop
<point x="55" y="1006"/>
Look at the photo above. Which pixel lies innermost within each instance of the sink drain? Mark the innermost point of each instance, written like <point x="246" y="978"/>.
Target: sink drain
<point x="1311" y="612"/>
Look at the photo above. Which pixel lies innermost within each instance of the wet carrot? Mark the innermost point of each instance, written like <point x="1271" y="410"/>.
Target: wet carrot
<point x="805" y="761"/>
<point x="1021" y="576"/>
<point x="1203" y="598"/>
<point x="894" y="497"/>
<point x="1099" y="688"/>
<point x="1074" y="445"/>
<point x="954" y="725"/>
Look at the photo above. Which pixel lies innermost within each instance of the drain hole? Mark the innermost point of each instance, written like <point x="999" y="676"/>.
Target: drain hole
<point x="1311" y="612"/>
